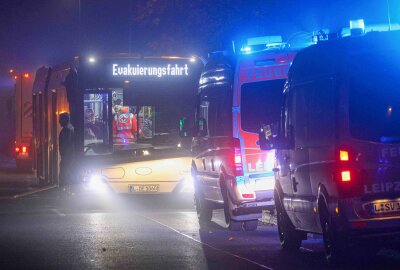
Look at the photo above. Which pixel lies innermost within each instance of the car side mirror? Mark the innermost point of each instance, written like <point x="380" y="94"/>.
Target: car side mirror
<point x="269" y="138"/>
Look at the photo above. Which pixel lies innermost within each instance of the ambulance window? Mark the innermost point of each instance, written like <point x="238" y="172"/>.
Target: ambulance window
<point x="261" y="103"/>
<point x="215" y="107"/>
<point x="96" y="119"/>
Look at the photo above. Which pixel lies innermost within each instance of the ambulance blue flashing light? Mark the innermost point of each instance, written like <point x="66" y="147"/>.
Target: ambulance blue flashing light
<point x="256" y="44"/>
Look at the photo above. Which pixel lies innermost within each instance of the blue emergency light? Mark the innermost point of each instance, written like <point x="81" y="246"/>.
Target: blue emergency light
<point x="262" y="43"/>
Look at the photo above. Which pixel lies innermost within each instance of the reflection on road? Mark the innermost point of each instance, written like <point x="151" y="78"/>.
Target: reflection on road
<point x="102" y="231"/>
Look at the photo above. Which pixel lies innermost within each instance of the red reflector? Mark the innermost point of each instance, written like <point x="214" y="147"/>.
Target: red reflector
<point x="17" y="149"/>
<point x="359" y="224"/>
<point x="344" y="155"/>
<point x="346" y="176"/>
<point x="248" y="196"/>
<point x="24" y="149"/>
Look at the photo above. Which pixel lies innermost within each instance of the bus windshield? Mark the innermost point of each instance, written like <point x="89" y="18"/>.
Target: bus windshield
<point x="133" y="127"/>
<point x="260" y="103"/>
<point x="374" y="97"/>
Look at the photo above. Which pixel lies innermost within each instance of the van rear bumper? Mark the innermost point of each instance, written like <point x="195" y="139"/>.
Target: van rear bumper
<point x="381" y="228"/>
<point x="255" y="207"/>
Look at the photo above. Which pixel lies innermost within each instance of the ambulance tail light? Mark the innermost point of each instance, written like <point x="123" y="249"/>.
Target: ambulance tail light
<point x="238" y="161"/>
<point x="248" y="195"/>
<point x="21" y="150"/>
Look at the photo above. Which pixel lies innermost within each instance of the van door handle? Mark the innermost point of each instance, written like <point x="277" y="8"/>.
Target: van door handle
<point x="295" y="183"/>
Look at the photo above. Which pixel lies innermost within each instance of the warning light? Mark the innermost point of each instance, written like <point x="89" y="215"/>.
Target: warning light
<point x="344" y="155"/>
<point x="346" y="176"/>
<point x="26" y="75"/>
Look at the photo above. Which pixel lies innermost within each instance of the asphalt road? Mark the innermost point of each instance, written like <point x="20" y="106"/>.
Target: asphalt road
<point x="145" y="232"/>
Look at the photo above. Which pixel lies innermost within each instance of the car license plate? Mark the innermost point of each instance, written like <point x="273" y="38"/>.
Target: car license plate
<point x="143" y="188"/>
<point x="385" y="207"/>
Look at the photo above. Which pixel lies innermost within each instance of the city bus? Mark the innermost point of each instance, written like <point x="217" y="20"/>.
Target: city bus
<point x="125" y="111"/>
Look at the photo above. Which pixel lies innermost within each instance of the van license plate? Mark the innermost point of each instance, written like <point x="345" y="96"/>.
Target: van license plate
<point x="385" y="207"/>
<point x="143" y="188"/>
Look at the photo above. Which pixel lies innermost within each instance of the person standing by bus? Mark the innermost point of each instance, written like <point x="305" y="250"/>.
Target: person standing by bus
<point x="124" y="126"/>
<point x="66" y="148"/>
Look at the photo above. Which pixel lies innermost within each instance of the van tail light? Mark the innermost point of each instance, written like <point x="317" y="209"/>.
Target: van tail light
<point x="17" y="149"/>
<point x="24" y="149"/>
<point x="346" y="176"/>
<point x="344" y="155"/>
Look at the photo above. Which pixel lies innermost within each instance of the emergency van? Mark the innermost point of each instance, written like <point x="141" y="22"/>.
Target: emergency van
<point x="338" y="141"/>
<point x="23" y="118"/>
<point x="236" y="94"/>
<point x="125" y="110"/>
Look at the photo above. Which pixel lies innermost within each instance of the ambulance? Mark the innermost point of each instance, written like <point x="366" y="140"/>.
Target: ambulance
<point x="237" y="92"/>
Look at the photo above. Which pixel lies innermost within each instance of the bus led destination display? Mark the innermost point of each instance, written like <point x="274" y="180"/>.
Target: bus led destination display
<point x="159" y="71"/>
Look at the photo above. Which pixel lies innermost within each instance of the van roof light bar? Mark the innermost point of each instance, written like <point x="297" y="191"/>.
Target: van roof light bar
<point x="262" y="43"/>
<point x="357" y="27"/>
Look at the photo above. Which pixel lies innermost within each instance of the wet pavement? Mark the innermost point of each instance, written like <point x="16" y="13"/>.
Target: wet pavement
<point x="89" y="230"/>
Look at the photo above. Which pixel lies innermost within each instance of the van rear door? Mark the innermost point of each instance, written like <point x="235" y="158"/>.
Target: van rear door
<point x="374" y="128"/>
<point x="260" y="94"/>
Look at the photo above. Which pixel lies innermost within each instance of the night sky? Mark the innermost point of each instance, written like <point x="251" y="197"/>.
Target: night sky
<point x="44" y="32"/>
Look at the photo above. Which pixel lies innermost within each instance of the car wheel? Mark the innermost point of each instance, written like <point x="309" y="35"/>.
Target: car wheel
<point x="334" y="244"/>
<point x="233" y="225"/>
<point x="289" y="237"/>
<point x="250" y="225"/>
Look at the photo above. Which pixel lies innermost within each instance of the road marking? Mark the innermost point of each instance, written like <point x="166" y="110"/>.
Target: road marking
<point x="207" y="245"/>
<point x="33" y="192"/>
<point x="58" y="212"/>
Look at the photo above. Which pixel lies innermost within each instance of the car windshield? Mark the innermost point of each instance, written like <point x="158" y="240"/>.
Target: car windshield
<point x="374" y="97"/>
<point x="260" y="103"/>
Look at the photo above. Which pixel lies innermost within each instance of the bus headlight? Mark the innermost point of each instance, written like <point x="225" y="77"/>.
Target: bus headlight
<point x="97" y="184"/>
<point x="188" y="185"/>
